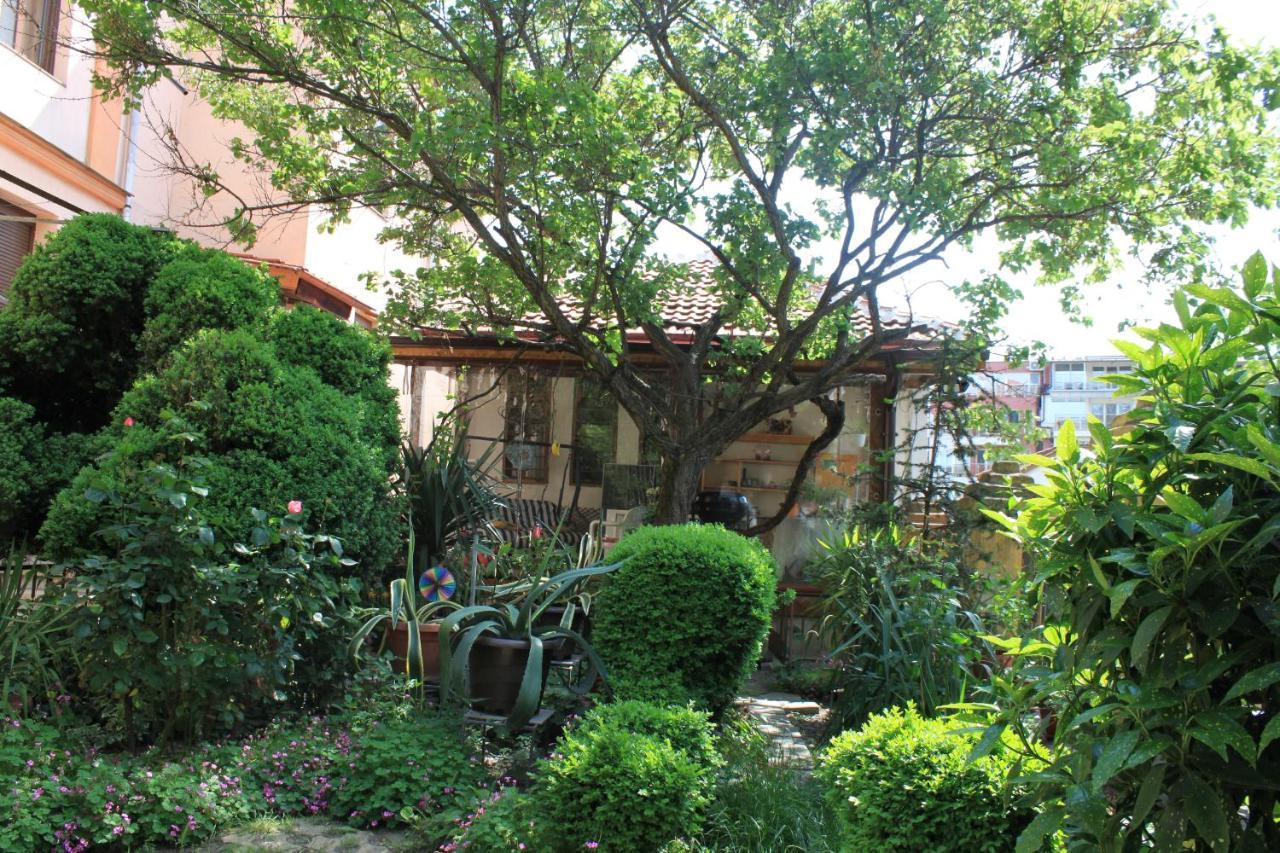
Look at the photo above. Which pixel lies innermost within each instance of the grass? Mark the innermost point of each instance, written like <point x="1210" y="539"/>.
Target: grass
<point x="763" y="806"/>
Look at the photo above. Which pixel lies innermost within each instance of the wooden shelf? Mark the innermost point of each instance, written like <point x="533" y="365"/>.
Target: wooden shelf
<point x="791" y="462"/>
<point x="758" y="488"/>
<point x="773" y="438"/>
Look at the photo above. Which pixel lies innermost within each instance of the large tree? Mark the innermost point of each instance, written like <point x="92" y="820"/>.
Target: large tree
<point x="539" y="151"/>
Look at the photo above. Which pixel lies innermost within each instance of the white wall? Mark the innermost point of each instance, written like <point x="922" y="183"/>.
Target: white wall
<point x="55" y="106"/>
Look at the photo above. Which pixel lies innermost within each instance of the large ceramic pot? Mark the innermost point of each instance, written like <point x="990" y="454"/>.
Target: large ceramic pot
<point x="562" y="648"/>
<point x="429" y="636"/>
<point x="497" y="669"/>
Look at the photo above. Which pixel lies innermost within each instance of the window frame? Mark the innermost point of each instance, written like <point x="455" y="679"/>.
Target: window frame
<point x="580" y="390"/>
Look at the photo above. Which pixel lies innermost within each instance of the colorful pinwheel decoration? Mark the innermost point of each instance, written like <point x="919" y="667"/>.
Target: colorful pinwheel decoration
<point x="437" y="584"/>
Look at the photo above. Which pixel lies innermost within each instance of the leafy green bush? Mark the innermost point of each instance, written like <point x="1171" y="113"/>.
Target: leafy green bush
<point x="502" y="821"/>
<point x="34" y="464"/>
<point x="690" y="608"/>
<point x="272" y="433"/>
<point x="183" y="634"/>
<point x="1158" y="677"/>
<point x="904" y="782"/>
<point x="625" y="789"/>
<point x="897" y="620"/>
<point x="198" y="289"/>
<point x="69" y="336"/>
<point x="403" y="762"/>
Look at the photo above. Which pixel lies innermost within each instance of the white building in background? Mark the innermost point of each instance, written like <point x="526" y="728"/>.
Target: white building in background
<point x="1076" y="388"/>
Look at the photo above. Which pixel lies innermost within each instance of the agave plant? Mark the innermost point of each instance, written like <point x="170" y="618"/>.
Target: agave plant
<point x="404" y="607"/>
<point x="450" y="496"/>
<point x="462" y="629"/>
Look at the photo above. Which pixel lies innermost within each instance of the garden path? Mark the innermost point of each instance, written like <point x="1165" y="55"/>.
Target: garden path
<point x="311" y="835"/>
<point x="772" y="713"/>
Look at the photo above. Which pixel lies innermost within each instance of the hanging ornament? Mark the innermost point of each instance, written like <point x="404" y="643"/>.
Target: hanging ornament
<point x="437" y="584"/>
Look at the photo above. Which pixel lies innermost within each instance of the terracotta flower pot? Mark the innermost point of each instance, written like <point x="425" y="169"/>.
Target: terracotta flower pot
<point x="497" y="669"/>
<point x="428" y="636"/>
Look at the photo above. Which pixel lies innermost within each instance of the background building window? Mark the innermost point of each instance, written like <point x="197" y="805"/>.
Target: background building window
<point x="16" y="239"/>
<point x="527" y="430"/>
<point x="31" y="28"/>
<point x="595" y="431"/>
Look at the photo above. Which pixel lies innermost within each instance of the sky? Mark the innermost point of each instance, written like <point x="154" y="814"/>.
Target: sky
<point x="1038" y="316"/>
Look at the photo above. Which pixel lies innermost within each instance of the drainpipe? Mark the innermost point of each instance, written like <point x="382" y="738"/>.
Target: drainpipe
<point x="131" y="164"/>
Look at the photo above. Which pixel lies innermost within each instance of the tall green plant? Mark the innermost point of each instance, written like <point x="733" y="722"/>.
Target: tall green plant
<point x="1158" y="684"/>
<point x="450" y="497"/>
<point x="34" y="634"/>
<point x="898" y="621"/>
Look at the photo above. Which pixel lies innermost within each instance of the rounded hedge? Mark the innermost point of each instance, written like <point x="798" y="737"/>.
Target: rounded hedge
<point x="273" y="432"/>
<point x="69" y="336"/>
<point x="631" y="779"/>
<point x="203" y="289"/>
<point x="905" y="782"/>
<point x="686" y="614"/>
<point x="33" y="466"/>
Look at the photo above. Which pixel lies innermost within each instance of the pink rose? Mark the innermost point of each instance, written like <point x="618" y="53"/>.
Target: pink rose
<point x="537" y="531"/>
<point x="128" y="422"/>
<point x="295" y="507"/>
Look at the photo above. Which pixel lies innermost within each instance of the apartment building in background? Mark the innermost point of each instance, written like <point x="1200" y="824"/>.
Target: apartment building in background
<point x="1075" y="388"/>
<point x="66" y="150"/>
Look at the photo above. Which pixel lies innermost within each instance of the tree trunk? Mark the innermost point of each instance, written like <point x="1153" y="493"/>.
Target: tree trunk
<point x="678" y="480"/>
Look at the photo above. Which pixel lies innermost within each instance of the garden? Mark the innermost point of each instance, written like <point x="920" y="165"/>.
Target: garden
<point x="233" y="596"/>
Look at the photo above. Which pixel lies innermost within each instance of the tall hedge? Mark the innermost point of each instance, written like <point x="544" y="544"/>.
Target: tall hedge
<point x="69" y="337"/>
<point x="203" y="289"/>
<point x="34" y="464"/>
<point x="686" y="615"/>
<point x="273" y="432"/>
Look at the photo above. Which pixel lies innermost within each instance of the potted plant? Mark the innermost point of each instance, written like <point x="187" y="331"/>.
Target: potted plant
<point x="496" y="657"/>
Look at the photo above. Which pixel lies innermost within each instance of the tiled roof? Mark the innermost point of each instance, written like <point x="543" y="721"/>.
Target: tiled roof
<point x="691" y="300"/>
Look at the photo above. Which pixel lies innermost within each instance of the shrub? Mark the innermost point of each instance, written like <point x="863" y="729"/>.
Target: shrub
<point x="502" y="821"/>
<point x="185" y="636"/>
<point x="691" y="607"/>
<point x="34" y="464"/>
<point x="272" y="433"/>
<point x="1157" y="549"/>
<point x="69" y="337"/>
<point x="623" y="789"/>
<point x="402" y="763"/>
<point x="904" y="782"/>
<point x="202" y="289"/>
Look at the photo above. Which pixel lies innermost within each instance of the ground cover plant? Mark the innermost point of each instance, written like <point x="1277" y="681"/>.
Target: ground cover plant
<point x="686" y="614"/>
<point x="1156" y="681"/>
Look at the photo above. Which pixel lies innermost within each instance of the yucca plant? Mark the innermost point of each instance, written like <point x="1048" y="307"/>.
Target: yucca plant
<point x="517" y="620"/>
<point x="450" y="496"/>
<point x="31" y="628"/>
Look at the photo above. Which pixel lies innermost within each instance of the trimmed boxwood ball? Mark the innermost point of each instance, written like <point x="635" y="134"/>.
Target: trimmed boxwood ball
<point x="272" y="432"/>
<point x="686" y="614"/>
<point x="905" y="782"/>
<point x="203" y="289"/>
<point x="631" y="778"/>
<point x="69" y="336"/>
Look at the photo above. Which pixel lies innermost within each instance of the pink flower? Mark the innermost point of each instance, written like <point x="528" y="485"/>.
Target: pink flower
<point x="537" y="531"/>
<point x="295" y="507"/>
<point x="128" y="422"/>
<point x="482" y="559"/>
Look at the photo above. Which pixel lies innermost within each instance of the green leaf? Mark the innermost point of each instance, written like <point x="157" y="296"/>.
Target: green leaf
<point x="986" y="743"/>
<point x="1259" y="679"/>
<point x="1042" y="827"/>
<point x="1270" y="733"/>
<point x="1152" y="787"/>
<point x="1222" y="506"/>
<point x="118" y="645"/>
<point x="1121" y="592"/>
<point x="1254" y="274"/>
<point x="1113" y="758"/>
<point x="1232" y="460"/>
<point x="1147" y="631"/>
<point x="1205" y="808"/>
<point x="1219" y="731"/>
<point x="1183" y="505"/>
<point x="1068" y="448"/>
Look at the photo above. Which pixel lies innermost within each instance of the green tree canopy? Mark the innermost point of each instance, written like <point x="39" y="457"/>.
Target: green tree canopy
<point x="538" y="152"/>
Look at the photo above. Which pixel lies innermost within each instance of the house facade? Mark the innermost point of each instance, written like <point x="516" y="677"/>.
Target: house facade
<point x="1076" y="388"/>
<point x="66" y="150"/>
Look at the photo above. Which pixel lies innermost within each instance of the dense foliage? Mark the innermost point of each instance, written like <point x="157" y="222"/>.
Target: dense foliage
<point x="1066" y="131"/>
<point x="198" y="289"/>
<point x="272" y="433"/>
<point x="899" y="623"/>
<point x="180" y="635"/>
<point x="906" y="782"/>
<point x="626" y="780"/>
<point x="687" y="613"/>
<point x="34" y="464"/>
<point x="69" y="336"/>
<point x="1158" y="678"/>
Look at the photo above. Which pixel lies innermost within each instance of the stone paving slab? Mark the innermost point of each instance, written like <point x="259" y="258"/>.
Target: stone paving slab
<point x="312" y="835"/>
<point x="771" y="712"/>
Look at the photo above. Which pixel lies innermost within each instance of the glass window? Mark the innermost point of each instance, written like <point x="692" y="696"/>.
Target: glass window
<point x="595" y="431"/>
<point x="31" y="28"/>
<point x="527" y="430"/>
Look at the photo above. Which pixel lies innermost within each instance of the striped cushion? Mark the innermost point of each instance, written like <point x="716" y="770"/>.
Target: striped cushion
<point x="516" y="518"/>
